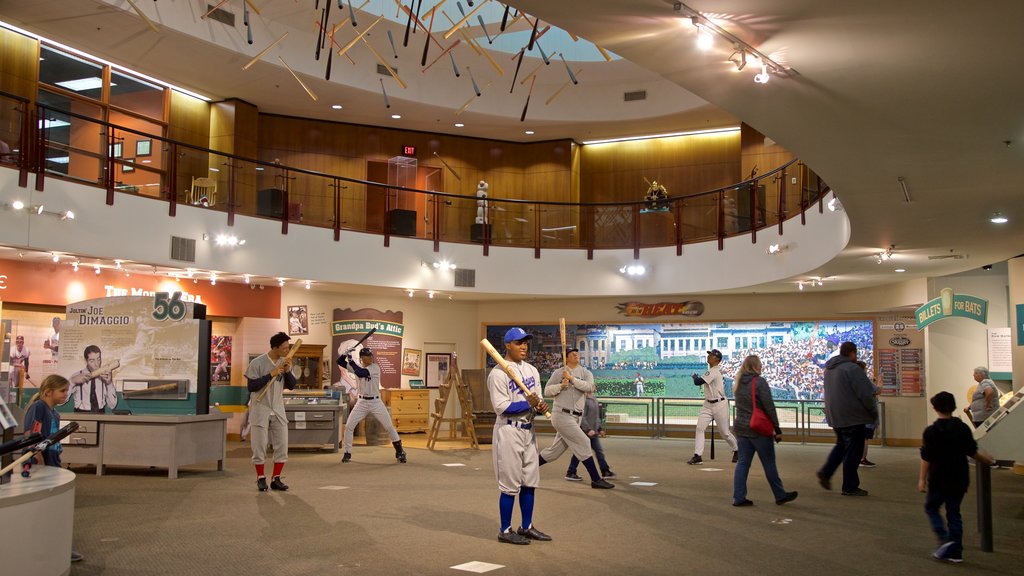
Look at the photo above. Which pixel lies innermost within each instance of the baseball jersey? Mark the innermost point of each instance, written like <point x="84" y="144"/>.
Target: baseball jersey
<point x="505" y="393"/>
<point x="714" y="385"/>
<point x="273" y="401"/>
<point x="368" y="376"/>
<point x="573" y="397"/>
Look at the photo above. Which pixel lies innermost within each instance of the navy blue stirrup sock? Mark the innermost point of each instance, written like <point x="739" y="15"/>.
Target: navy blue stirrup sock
<point x="526" y="505"/>
<point x="591" y="469"/>
<point x="505" y="504"/>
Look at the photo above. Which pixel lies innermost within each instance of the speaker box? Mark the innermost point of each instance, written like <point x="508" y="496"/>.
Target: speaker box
<point x="477" y="233"/>
<point x="403" y="222"/>
<point x="270" y="203"/>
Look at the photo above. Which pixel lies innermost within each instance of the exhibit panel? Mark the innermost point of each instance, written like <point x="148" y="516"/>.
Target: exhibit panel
<point x="1000" y="434"/>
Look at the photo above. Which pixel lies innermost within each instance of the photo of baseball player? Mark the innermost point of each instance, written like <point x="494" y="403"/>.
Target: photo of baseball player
<point x="19" y="362"/>
<point x="514" y="449"/>
<point x="367" y="372"/>
<point x="569" y="385"/>
<point x="267" y="418"/>
<point x="91" y="389"/>
<point x="715" y="408"/>
<point x="53" y="342"/>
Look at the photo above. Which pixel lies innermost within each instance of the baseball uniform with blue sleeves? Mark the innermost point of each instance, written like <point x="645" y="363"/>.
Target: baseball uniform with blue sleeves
<point x="514" y="448"/>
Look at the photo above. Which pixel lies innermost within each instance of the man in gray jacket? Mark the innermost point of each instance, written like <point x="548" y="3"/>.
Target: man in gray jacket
<point x="849" y="407"/>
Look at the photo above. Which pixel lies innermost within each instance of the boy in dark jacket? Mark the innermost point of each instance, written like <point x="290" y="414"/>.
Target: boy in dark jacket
<point x="947" y="443"/>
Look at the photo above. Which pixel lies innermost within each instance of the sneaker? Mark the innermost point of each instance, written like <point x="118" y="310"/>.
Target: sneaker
<point x="573" y="477"/>
<point x="789" y="497"/>
<point x="276" y="484"/>
<point x="949" y="552"/>
<point x="735" y="456"/>
<point x="75" y="556"/>
<point x="865" y="463"/>
<point x="401" y="456"/>
<point x="824" y="481"/>
<point x="261" y="484"/>
<point x="695" y="460"/>
<point x="855" y="492"/>
<point x="533" y="534"/>
<point x="346" y="458"/>
<point x="602" y="483"/>
<point x="745" y="502"/>
<point x="510" y="537"/>
<point x="608" y="474"/>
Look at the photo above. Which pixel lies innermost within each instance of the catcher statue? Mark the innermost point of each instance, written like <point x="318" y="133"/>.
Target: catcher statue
<point x="656" y="196"/>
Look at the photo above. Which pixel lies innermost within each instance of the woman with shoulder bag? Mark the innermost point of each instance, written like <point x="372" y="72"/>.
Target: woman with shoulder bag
<point x="755" y="426"/>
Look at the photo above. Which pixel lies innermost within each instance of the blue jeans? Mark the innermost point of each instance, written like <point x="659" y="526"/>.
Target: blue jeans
<point x="602" y="464"/>
<point x="765" y="449"/>
<point x="848" y="451"/>
<point x="955" y="532"/>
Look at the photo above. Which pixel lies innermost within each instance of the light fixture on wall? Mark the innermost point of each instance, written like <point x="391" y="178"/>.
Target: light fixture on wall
<point x="229" y="240"/>
<point x="213" y="278"/>
<point x="775" y="249"/>
<point x="834" y="205"/>
<point x="633" y="270"/>
<point x="74" y="265"/>
<point x="442" y="265"/>
<point x="998" y="218"/>
<point x="308" y="284"/>
<point x="247" y="278"/>
<point x="430" y="294"/>
<point x="884" y="255"/>
<point x="410" y="293"/>
<point x="280" y="282"/>
<point x="56" y="258"/>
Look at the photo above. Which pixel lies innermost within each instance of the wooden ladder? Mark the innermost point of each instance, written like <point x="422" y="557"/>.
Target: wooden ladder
<point x="453" y="380"/>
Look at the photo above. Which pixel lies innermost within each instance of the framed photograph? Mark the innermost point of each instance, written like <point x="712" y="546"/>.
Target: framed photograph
<point x="143" y="147"/>
<point x="411" y="362"/>
<point x="437" y="369"/>
<point x="117" y="150"/>
<point x="298" y="320"/>
<point x="127" y="167"/>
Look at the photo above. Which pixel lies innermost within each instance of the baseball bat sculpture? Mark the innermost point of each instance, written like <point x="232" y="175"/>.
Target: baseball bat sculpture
<point x="508" y="369"/>
<point x="42" y="446"/>
<point x="108" y="367"/>
<point x="561" y="330"/>
<point x="294" y="349"/>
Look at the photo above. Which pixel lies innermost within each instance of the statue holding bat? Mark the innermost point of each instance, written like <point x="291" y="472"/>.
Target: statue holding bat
<point x="514" y="387"/>
<point x="267" y="377"/>
<point x="92" y="388"/>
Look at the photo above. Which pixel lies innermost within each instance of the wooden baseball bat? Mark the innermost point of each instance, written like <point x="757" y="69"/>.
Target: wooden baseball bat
<point x="508" y="369"/>
<point x="561" y="330"/>
<point x="294" y="349"/>
<point x="108" y="367"/>
<point x="160" y="388"/>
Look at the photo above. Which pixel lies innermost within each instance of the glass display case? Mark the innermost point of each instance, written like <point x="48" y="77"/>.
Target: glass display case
<point x="307" y="366"/>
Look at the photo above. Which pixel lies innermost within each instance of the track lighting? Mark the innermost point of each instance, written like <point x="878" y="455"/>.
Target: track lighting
<point x="247" y="278"/>
<point x="307" y="285"/>
<point x="998" y="218"/>
<point x="280" y="282"/>
<point x="776" y="248"/>
<point x="633" y="270"/>
<point x="739" y="58"/>
<point x="56" y="257"/>
<point x="18" y="205"/>
<point x="884" y="255"/>
<point x="763" y="77"/>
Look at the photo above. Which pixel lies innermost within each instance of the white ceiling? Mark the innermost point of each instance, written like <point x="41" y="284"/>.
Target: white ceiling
<point x="919" y="89"/>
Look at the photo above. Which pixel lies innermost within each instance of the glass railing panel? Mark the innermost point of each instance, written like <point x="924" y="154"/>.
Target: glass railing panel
<point x="612" y="226"/>
<point x="559" y="226"/>
<point x="74" y="145"/>
<point x="12" y="114"/>
<point x="134" y="173"/>
<point x="311" y="200"/>
<point x="700" y="217"/>
<point x="514" y="223"/>
<point x="464" y="219"/>
<point x="658" y="223"/>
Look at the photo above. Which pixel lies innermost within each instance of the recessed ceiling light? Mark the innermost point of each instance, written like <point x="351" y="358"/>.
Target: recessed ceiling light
<point x="459" y="124"/>
<point x="529" y="132"/>
<point x="998" y="218"/>
<point x="900" y="270"/>
<point x="336" y="106"/>
<point x="396" y="116"/>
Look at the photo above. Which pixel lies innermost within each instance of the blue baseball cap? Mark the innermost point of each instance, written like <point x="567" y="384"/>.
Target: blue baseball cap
<point x="516" y="334"/>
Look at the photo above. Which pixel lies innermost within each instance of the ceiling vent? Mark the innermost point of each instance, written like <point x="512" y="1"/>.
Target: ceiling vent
<point x="383" y="70"/>
<point x="949" y="256"/>
<point x="183" y="249"/>
<point x="465" y="278"/>
<point x="220" y="15"/>
<point x="635" y="96"/>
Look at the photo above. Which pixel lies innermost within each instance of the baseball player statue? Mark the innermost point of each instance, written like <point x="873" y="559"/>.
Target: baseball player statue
<point x="514" y="449"/>
<point x="716" y="407"/>
<point x="569" y="386"/>
<point x="368" y="374"/>
<point x="267" y="418"/>
<point x="481" y="203"/>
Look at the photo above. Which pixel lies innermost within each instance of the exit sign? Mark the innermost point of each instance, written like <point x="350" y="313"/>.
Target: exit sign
<point x="408" y="150"/>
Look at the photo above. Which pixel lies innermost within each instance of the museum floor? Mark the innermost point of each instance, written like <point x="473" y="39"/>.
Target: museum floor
<point x="374" y="516"/>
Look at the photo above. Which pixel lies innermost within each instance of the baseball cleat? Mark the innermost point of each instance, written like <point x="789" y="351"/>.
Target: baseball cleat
<point x="602" y="483"/>
<point x="695" y="460"/>
<point x="533" y="534"/>
<point x="276" y="484"/>
<point x="346" y="458"/>
<point x="261" y="484"/>
<point x="510" y="537"/>
<point x="401" y="456"/>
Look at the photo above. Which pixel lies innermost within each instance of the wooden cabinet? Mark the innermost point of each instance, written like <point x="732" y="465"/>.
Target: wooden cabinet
<point x="307" y="366"/>
<point x="409" y="409"/>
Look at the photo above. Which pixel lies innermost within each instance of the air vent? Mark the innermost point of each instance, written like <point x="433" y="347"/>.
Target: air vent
<point x="183" y="249"/>
<point x="465" y="278"/>
<point x="634" y="96"/>
<point x="383" y="70"/>
<point x="220" y="15"/>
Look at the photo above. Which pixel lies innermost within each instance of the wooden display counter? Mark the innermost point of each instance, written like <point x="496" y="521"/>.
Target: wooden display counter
<point x="38" y="514"/>
<point x="146" y="440"/>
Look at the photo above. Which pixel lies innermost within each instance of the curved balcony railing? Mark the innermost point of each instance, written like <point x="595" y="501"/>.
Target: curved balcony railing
<point x="49" y="142"/>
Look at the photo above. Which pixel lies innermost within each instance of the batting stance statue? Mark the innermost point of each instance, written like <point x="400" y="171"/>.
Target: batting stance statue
<point x="715" y="408"/>
<point x="514" y="448"/>
<point x="267" y="418"/>
<point x="569" y="386"/>
<point x="368" y="374"/>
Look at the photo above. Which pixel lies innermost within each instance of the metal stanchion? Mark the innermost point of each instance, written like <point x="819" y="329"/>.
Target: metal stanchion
<point x="983" y="485"/>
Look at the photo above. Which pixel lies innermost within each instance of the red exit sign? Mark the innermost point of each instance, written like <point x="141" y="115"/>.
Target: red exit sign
<point x="408" y="150"/>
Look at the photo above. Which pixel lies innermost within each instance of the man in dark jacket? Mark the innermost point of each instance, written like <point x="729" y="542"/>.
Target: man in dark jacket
<point x="849" y="407"/>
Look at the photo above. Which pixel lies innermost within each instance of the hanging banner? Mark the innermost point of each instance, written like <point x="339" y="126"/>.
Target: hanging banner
<point x="639" y="309"/>
<point x="350" y="326"/>
<point x="948" y="305"/>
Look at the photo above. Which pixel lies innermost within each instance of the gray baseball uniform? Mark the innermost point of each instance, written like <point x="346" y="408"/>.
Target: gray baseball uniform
<point x="267" y="419"/>
<point x="716" y="407"/>
<point x="514" y="446"/>
<point x="566" y="412"/>
<point x="369" y="401"/>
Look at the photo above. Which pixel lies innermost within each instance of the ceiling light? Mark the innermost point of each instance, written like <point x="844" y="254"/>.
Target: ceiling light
<point x="213" y="279"/>
<point x="307" y="284"/>
<point x="396" y="116"/>
<point x="775" y="248"/>
<point x="56" y="257"/>
<point x="459" y="124"/>
<point x="529" y="132"/>
<point x="214" y="169"/>
<point x="763" y="77"/>
<point x="74" y="265"/>
<point x="704" y="39"/>
<point x="38" y="209"/>
<point x="633" y="270"/>
<point x="118" y="263"/>
<point x="67" y="215"/>
<point x="884" y="255"/>
<point x="17" y="205"/>
<point x="82" y="84"/>
<point x="998" y="218"/>
<point x="96" y="268"/>
<point x="410" y="292"/>
<point x="247" y="279"/>
<point x="800" y="285"/>
<point x="833" y="204"/>
<point x="280" y="282"/>
<point x="336" y="106"/>
<point x="668" y="135"/>
<point x="430" y="293"/>
<point x="900" y="270"/>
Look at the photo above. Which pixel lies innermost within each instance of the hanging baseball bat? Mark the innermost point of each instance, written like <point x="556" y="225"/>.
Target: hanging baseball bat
<point x="561" y="331"/>
<point x="294" y="349"/>
<point x="508" y="369"/>
<point x="360" y="341"/>
<point x="42" y="446"/>
<point x="19" y="443"/>
<point x="265" y="50"/>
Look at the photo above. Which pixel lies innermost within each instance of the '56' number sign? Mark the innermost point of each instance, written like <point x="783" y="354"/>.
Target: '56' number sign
<point x="167" y="306"/>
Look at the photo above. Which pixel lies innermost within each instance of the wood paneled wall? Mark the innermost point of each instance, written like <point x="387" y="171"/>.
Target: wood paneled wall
<point x="19" y="74"/>
<point x="189" y="122"/>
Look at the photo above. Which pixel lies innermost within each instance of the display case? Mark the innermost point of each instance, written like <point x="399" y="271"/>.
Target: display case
<point x="307" y="366"/>
<point x="314" y="419"/>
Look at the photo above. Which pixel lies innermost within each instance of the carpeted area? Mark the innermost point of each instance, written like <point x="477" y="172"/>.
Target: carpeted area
<point x="424" y="517"/>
